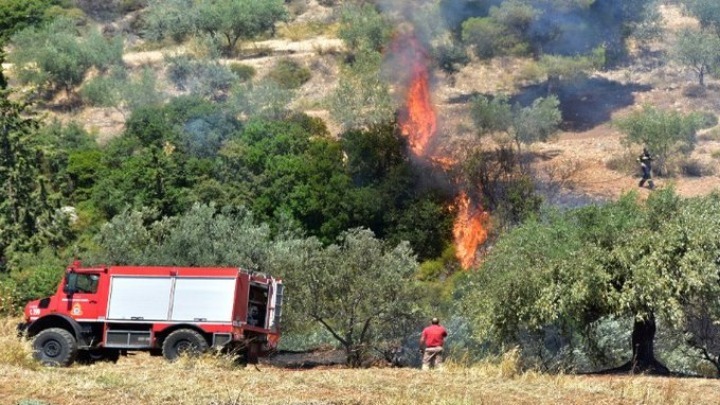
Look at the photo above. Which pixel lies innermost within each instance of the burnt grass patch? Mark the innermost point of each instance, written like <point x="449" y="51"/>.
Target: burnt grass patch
<point x="585" y="104"/>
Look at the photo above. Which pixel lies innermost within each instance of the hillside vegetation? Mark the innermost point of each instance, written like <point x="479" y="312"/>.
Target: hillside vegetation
<point x="468" y="159"/>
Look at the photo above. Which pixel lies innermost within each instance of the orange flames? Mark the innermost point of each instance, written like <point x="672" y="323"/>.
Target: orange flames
<point x="418" y="123"/>
<point x="469" y="230"/>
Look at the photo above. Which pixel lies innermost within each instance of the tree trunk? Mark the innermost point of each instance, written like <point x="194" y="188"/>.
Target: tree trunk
<point x="702" y="76"/>
<point x="353" y="355"/>
<point x="643" y="349"/>
<point x="643" y="341"/>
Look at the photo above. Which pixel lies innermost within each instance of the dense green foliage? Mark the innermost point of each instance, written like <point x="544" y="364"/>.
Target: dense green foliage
<point x="58" y="55"/>
<point x="364" y="28"/>
<point x="561" y="273"/>
<point x="29" y="213"/>
<point x="227" y="21"/>
<point x="362" y="291"/>
<point x="524" y="125"/>
<point x="362" y="97"/>
<point x="503" y="184"/>
<point x="16" y="15"/>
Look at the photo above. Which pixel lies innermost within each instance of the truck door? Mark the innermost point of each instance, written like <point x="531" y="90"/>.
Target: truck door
<point x="82" y="296"/>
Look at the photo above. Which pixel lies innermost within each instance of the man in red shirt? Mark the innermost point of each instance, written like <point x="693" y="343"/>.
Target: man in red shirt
<point x="432" y="339"/>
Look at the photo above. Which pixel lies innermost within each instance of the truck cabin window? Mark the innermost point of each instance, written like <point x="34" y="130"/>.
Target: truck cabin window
<point x="81" y="283"/>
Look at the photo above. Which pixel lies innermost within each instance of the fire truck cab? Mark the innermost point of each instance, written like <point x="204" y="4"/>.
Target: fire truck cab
<point x="101" y="312"/>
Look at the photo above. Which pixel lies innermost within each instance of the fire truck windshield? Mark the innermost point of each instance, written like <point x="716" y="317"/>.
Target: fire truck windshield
<point x="86" y="283"/>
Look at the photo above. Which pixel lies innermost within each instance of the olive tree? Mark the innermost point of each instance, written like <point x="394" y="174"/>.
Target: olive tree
<point x="565" y="271"/>
<point x="697" y="50"/>
<point x="360" y="290"/>
<point x="228" y="20"/>
<point x="203" y="236"/>
<point x="60" y="54"/>
<point x="235" y="20"/>
<point x="174" y="19"/>
<point x="363" y="28"/>
<point x="525" y="125"/>
<point x="663" y="132"/>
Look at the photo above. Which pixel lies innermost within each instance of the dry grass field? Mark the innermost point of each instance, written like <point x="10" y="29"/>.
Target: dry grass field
<point x="141" y="379"/>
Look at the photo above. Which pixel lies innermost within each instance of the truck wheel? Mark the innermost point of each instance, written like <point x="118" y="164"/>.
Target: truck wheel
<point x="183" y="341"/>
<point x="55" y="347"/>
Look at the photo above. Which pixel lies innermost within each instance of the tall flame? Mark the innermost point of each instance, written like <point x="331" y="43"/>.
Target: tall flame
<point x="469" y="230"/>
<point x="419" y="125"/>
<point x="419" y="122"/>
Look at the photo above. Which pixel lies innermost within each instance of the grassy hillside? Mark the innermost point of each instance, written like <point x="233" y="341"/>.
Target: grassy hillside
<point x="141" y="379"/>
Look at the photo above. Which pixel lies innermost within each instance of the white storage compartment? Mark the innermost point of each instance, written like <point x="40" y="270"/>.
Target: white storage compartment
<point x="139" y="298"/>
<point x="203" y="299"/>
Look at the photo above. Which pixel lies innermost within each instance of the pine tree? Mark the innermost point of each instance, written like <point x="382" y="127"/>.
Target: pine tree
<point x="28" y="219"/>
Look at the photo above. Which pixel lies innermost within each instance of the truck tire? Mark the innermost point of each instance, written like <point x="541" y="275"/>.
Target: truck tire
<point x="55" y="347"/>
<point x="183" y="341"/>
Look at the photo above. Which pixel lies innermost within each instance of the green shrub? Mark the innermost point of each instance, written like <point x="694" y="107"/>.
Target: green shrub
<point x="99" y="92"/>
<point x="9" y="301"/>
<point x="36" y="282"/>
<point x="179" y="69"/>
<point x="33" y="276"/>
<point x="242" y="71"/>
<point x="364" y="28"/>
<point x="207" y="78"/>
<point x="288" y="74"/>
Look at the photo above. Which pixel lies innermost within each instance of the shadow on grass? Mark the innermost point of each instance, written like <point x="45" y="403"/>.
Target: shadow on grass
<point x="305" y="360"/>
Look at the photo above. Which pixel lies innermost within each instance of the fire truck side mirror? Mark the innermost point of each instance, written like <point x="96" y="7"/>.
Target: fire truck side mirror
<point x="70" y="283"/>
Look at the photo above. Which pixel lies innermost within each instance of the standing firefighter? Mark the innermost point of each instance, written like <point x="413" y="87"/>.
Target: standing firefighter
<point x="431" y="340"/>
<point x="646" y="164"/>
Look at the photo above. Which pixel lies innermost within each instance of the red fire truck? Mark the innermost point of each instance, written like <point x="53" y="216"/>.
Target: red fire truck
<point x="101" y="312"/>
